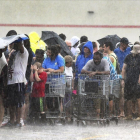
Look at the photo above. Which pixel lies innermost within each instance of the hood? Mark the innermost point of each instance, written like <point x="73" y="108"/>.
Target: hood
<point x="74" y="40"/>
<point x="89" y="46"/>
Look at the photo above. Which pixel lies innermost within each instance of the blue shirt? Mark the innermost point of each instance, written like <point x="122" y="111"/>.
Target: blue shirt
<point x="121" y="55"/>
<point x="55" y="64"/>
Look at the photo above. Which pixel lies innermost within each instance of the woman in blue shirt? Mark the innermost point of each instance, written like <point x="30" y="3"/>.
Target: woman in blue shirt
<point x="54" y="63"/>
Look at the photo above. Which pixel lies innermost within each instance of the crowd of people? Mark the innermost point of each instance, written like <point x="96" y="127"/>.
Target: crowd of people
<point x="23" y="75"/>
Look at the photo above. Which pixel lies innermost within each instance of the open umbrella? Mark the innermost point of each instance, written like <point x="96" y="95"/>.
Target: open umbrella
<point x="114" y="39"/>
<point x="52" y="38"/>
<point x="36" y="42"/>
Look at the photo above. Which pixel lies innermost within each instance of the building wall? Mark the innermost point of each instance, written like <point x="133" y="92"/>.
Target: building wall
<point x="67" y="16"/>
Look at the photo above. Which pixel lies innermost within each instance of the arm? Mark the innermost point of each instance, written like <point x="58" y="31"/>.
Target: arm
<point x="61" y="70"/>
<point x="31" y="75"/>
<point x="111" y="58"/>
<point x="85" y="71"/>
<point x="102" y="72"/>
<point x="123" y="74"/>
<point x="36" y="76"/>
<point x="123" y="71"/>
<point x="139" y="79"/>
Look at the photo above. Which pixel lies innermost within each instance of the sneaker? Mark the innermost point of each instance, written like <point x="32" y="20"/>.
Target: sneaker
<point x="137" y="119"/>
<point x="8" y="124"/>
<point x="128" y="117"/>
<point x="21" y="122"/>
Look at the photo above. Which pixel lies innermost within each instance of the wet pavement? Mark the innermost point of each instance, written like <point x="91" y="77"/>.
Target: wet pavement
<point x="125" y="130"/>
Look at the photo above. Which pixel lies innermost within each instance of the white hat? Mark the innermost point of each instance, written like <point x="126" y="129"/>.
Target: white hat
<point x="74" y="40"/>
<point x="136" y="49"/>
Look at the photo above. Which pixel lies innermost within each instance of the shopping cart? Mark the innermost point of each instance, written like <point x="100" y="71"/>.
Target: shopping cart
<point x="93" y="94"/>
<point x="54" y="94"/>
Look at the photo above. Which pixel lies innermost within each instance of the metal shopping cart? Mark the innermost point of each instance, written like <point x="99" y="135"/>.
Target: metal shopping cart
<point x="54" y="94"/>
<point x="93" y="95"/>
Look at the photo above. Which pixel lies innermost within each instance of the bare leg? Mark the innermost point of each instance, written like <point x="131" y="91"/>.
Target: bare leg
<point x="19" y="114"/>
<point x="111" y="107"/>
<point x="1" y="110"/>
<point x="12" y="111"/>
<point x="121" y="103"/>
<point x="138" y="102"/>
<point x="26" y="107"/>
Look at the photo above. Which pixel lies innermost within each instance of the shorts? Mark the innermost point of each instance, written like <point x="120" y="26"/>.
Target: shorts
<point x="131" y="91"/>
<point x="16" y="94"/>
<point x="37" y="104"/>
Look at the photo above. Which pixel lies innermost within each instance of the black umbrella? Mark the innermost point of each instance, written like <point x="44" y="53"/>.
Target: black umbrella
<point x="114" y="39"/>
<point x="51" y="38"/>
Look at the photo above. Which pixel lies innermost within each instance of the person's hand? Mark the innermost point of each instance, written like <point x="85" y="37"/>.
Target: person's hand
<point x="32" y="67"/>
<point x="50" y="70"/>
<point x="122" y="83"/>
<point x="35" y="68"/>
<point x="92" y="74"/>
<point x="48" y="73"/>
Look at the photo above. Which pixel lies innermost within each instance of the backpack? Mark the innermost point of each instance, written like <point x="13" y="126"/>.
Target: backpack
<point x="117" y="65"/>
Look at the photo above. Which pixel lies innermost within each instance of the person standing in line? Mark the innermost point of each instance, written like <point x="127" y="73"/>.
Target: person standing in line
<point x="3" y="83"/>
<point x="122" y="51"/>
<point x="16" y="82"/>
<point x="130" y="81"/>
<point x="108" y="48"/>
<point x="96" y="66"/>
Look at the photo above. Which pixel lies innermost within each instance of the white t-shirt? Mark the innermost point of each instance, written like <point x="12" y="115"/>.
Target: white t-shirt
<point x="19" y="68"/>
<point x="68" y="71"/>
<point x="75" y="51"/>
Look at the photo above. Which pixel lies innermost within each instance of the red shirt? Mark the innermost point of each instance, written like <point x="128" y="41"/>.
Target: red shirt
<point x="39" y="87"/>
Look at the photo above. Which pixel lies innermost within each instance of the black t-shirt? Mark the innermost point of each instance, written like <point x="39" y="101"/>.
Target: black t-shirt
<point x="133" y="68"/>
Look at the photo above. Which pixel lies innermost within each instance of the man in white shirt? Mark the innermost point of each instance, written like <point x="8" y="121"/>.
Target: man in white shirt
<point x="16" y="81"/>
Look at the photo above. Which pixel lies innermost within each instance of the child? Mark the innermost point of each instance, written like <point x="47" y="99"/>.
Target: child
<point x="39" y="79"/>
<point x="69" y="84"/>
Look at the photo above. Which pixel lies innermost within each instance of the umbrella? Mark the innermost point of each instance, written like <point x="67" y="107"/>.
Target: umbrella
<point x="114" y="39"/>
<point x="5" y="41"/>
<point x="52" y="38"/>
<point x="36" y="42"/>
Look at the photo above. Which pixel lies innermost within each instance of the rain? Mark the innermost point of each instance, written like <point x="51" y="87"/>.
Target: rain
<point x="69" y="70"/>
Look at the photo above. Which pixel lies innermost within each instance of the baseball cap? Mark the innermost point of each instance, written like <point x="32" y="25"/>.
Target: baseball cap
<point x="124" y="40"/>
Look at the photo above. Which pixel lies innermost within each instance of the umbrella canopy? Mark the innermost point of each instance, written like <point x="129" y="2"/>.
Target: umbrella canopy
<point x="114" y="39"/>
<point x="51" y="38"/>
<point x="36" y="42"/>
<point x="5" y="41"/>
